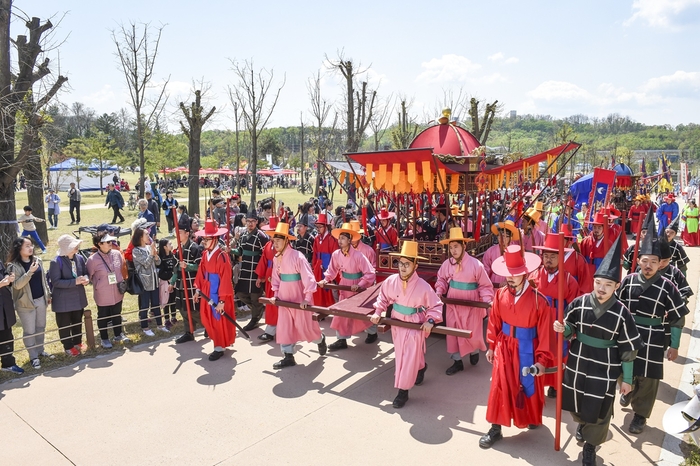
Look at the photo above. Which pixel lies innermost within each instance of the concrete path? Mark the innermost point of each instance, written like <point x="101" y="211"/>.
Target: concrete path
<point x="163" y="403"/>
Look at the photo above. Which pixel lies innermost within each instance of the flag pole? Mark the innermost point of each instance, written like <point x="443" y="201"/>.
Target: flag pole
<point x="182" y="271"/>
<point x="560" y="340"/>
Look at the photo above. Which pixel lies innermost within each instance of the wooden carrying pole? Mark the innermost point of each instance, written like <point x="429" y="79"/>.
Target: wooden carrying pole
<point x="445" y="300"/>
<point x="561" y="279"/>
<point x="353" y="315"/>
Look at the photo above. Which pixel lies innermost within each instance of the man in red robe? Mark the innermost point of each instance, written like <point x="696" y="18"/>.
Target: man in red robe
<point x="215" y="282"/>
<point x="547" y="280"/>
<point x="518" y="347"/>
<point x="592" y="246"/>
<point x="386" y="236"/>
<point x="324" y="245"/>
<point x="636" y="214"/>
<point x="264" y="273"/>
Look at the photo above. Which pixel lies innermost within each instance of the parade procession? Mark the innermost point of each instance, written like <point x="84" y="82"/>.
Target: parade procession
<point x="506" y="265"/>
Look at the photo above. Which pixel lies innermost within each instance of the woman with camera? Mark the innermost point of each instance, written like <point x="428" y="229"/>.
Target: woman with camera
<point x="31" y="296"/>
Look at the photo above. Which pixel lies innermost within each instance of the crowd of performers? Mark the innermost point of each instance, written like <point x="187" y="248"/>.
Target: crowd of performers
<point x="618" y="331"/>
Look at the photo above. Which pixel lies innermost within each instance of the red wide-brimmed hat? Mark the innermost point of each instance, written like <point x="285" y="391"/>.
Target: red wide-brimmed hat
<point x="272" y="225"/>
<point x="323" y="219"/>
<point x="210" y="230"/>
<point x="385" y="214"/>
<point x="568" y="231"/>
<point x="551" y="244"/>
<point x="598" y="218"/>
<point x="513" y="263"/>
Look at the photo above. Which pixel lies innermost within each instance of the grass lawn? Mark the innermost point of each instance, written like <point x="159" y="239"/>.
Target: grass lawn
<point x="95" y="216"/>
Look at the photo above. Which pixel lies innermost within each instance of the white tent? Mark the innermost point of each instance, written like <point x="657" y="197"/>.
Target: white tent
<point x="85" y="176"/>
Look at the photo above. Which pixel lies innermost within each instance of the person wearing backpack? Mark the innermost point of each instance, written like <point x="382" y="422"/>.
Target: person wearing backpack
<point x="31" y="296"/>
<point x="69" y="275"/>
<point x="105" y="272"/>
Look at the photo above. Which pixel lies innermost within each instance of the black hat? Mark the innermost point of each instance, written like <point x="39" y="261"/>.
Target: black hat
<point x="184" y="223"/>
<point x="252" y="214"/>
<point x="650" y="243"/>
<point x="649" y="223"/>
<point x="610" y="267"/>
<point x="303" y="221"/>
<point x="674" y="225"/>
<point x="664" y="248"/>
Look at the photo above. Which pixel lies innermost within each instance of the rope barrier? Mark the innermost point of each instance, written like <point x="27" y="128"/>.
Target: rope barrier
<point x="88" y="322"/>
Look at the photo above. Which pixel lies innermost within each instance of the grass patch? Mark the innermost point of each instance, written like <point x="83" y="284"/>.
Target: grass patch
<point x="690" y="451"/>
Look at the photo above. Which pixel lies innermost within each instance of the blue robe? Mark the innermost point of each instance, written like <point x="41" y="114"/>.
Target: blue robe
<point x="666" y="213"/>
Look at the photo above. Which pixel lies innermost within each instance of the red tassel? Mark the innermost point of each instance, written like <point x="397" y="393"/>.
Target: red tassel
<point x="364" y="219"/>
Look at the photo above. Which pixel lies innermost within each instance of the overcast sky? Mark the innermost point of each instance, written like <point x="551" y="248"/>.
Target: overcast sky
<point x="638" y="58"/>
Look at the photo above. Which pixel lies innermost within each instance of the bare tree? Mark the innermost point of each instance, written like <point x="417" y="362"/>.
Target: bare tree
<point x="237" y="121"/>
<point x="379" y="122"/>
<point x="137" y="51"/>
<point x="359" y="104"/>
<point x="19" y="100"/>
<point x="196" y="119"/>
<point x="252" y="92"/>
<point x="320" y="109"/>
<point x="406" y="128"/>
<point x="481" y="129"/>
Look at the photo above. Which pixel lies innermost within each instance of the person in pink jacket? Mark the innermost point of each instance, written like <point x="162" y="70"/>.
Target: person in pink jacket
<point x="462" y="276"/>
<point x="293" y="280"/>
<point x="356" y="272"/>
<point x="413" y="300"/>
<point x="364" y="248"/>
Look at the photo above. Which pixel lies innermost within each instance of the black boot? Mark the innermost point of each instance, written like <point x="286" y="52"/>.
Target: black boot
<point x="637" y="424"/>
<point x="551" y="392"/>
<point x="421" y="375"/>
<point x="371" y="338"/>
<point x="457" y="366"/>
<point x="339" y="344"/>
<point x="252" y="324"/>
<point x="322" y="347"/>
<point x="494" y="435"/>
<point x="184" y="338"/>
<point x="400" y="399"/>
<point x="588" y="455"/>
<point x="474" y="359"/>
<point x="579" y="433"/>
<point x="288" y="361"/>
<point x="215" y="355"/>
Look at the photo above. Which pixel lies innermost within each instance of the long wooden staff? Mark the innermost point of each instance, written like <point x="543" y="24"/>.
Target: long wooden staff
<point x="353" y="315"/>
<point x="638" y="240"/>
<point x="182" y="271"/>
<point x="560" y="339"/>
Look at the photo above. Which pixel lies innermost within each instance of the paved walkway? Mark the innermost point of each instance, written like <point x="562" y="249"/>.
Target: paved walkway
<point x="163" y="403"/>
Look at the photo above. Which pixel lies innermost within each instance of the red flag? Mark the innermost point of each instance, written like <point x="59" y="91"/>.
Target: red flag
<point x="603" y="181"/>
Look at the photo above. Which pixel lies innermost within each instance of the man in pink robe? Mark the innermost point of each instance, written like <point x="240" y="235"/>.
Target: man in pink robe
<point x="462" y="276"/>
<point x="364" y="248"/>
<point x="293" y="280"/>
<point x="413" y="300"/>
<point x="356" y="272"/>
<point x="506" y="232"/>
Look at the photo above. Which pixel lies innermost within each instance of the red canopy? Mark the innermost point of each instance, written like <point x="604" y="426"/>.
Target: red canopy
<point x="542" y="157"/>
<point x="401" y="157"/>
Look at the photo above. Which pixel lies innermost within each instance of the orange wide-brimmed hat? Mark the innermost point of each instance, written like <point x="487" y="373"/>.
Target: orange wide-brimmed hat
<point x="282" y="229"/>
<point x="346" y="228"/>
<point x="409" y="249"/>
<point x="456" y="234"/>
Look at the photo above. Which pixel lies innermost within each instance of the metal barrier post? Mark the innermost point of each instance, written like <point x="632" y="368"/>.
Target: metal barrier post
<point x="89" y="328"/>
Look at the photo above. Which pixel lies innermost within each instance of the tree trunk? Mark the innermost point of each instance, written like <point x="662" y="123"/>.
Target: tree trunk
<point x="35" y="187"/>
<point x="142" y="155"/>
<point x="195" y="149"/>
<point x="254" y="171"/>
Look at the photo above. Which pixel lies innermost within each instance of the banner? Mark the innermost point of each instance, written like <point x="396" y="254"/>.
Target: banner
<point x="683" y="178"/>
<point x="603" y="181"/>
